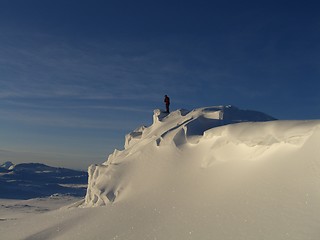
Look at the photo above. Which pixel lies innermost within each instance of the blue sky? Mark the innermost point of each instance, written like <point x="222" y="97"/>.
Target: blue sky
<point x="76" y="76"/>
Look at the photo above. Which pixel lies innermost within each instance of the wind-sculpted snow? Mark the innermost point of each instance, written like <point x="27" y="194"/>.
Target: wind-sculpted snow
<point x="177" y="130"/>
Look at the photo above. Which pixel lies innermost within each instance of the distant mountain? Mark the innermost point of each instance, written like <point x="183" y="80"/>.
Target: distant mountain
<point x="30" y="180"/>
<point x="6" y="166"/>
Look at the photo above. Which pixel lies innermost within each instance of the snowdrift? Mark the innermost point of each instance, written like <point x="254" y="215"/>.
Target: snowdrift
<point x="213" y="173"/>
<point x="169" y="138"/>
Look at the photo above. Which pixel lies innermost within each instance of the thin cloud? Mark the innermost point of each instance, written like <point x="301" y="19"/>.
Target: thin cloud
<point x="36" y="105"/>
<point x="59" y="120"/>
<point x="56" y="69"/>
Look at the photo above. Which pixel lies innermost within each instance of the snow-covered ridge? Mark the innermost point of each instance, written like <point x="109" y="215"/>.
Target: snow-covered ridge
<point x="194" y="122"/>
<point x="179" y="129"/>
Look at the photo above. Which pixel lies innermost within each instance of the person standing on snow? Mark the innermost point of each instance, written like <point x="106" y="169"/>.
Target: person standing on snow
<point x="167" y="102"/>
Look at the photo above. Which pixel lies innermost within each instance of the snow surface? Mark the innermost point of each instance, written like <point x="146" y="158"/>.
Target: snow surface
<point x="16" y="209"/>
<point x="211" y="173"/>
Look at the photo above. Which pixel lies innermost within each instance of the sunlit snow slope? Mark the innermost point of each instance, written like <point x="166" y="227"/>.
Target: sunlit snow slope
<point x="183" y="139"/>
<point x="211" y="176"/>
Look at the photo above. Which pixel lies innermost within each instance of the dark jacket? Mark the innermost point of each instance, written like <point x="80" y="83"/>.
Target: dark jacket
<point x="167" y="100"/>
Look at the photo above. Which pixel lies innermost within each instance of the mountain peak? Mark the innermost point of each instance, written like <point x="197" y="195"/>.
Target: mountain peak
<point x="7" y="165"/>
